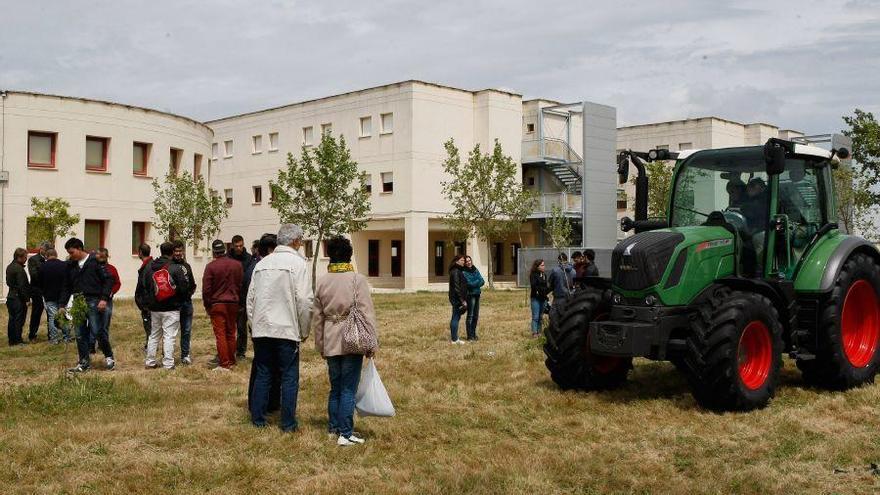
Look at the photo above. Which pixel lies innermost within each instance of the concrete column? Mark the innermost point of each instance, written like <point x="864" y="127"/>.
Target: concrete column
<point x="415" y="252"/>
<point x="478" y="251"/>
<point x="599" y="200"/>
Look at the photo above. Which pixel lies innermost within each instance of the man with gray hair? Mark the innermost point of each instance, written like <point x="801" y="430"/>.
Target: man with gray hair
<point x="279" y="307"/>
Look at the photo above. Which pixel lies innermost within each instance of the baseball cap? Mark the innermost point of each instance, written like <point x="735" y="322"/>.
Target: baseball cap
<point x="218" y="246"/>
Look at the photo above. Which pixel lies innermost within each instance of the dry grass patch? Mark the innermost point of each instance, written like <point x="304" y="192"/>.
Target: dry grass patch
<point x="479" y="418"/>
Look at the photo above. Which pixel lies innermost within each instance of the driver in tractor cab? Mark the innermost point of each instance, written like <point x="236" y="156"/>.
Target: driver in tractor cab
<point x="754" y="209"/>
<point x="737" y="191"/>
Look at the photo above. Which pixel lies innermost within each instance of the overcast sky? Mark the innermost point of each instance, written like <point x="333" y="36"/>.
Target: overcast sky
<point x="796" y="64"/>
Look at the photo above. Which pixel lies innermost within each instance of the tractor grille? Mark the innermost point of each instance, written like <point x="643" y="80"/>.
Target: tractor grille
<point x="639" y="262"/>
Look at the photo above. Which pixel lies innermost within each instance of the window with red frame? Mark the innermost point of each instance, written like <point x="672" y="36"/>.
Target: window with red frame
<point x="93" y="235"/>
<point x="197" y="166"/>
<point x="41" y="149"/>
<point x="141" y="157"/>
<point x="96" y="153"/>
<point x="174" y="161"/>
<point x="138" y="235"/>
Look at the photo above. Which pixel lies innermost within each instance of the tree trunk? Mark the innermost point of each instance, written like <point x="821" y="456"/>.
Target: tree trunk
<point x="489" y="272"/>
<point x="315" y="262"/>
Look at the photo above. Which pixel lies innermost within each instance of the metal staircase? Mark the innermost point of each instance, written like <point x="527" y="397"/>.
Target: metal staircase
<point x="556" y="156"/>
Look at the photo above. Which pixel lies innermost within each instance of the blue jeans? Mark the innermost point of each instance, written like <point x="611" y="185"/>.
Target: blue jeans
<point x="473" y="316"/>
<point x="186" y="324"/>
<point x="538" y="306"/>
<point x="286" y="353"/>
<point x="106" y="316"/>
<point x="345" y="374"/>
<point x="94" y="323"/>
<point x="51" y="312"/>
<point x="453" y="323"/>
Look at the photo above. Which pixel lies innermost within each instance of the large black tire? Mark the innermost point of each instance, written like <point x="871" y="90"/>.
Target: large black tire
<point x="571" y="364"/>
<point x="734" y="352"/>
<point x="849" y="329"/>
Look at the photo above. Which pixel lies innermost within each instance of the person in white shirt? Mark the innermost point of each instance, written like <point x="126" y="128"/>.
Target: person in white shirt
<point x="279" y="308"/>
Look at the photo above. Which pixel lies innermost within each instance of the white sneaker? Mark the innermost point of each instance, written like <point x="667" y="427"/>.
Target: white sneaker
<point x="460" y="342"/>
<point x="221" y="368"/>
<point x="186" y="360"/>
<point x="110" y="362"/>
<point x="353" y="438"/>
<point x="344" y="442"/>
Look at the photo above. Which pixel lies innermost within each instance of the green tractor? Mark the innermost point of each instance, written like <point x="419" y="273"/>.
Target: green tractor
<point x="749" y="264"/>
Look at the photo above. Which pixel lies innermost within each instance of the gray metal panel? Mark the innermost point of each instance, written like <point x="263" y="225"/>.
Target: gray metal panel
<point x="600" y="178"/>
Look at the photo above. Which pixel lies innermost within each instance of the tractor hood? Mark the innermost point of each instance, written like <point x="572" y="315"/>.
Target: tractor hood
<point x="660" y="260"/>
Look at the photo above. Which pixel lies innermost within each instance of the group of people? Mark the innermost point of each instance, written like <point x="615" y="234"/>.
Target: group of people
<point x="465" y="287"/>
<point x="267" y="293"/>
<point x="560" y="282"/>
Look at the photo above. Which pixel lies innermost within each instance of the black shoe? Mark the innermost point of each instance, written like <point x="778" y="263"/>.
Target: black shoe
<point x="240" y="357"/>
<point x="78" y="369"/>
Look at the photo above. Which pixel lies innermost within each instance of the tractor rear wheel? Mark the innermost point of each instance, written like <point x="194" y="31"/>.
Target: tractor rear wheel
<point x="571" y="364"/>
<point x="848" y="353"/>
<point x="734" y="352"/>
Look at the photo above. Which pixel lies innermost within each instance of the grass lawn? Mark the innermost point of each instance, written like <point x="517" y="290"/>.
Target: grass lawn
<point x="478" y="418"/>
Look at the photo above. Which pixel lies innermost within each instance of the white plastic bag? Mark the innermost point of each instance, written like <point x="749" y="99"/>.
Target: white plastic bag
<point x="371" y="398"/>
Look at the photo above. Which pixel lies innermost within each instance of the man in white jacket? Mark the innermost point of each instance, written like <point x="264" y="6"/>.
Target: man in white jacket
<point x="279" y="307"/>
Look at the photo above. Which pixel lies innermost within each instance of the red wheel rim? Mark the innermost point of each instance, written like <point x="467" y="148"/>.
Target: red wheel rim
<point x="860" y="324"/>
<point x="755" y="355"/>
<point x="601" y="364"/>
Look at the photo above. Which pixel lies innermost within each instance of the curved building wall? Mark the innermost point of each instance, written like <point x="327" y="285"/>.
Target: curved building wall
<point x="114" y="204"/>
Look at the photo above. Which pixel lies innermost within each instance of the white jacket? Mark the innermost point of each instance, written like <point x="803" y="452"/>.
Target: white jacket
<point x="279" y="300"/>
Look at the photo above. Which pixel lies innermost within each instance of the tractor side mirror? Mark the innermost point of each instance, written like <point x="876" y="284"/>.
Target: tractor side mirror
<point x="842" y="153"/>
<point x="626" y="224"/>
<point x="774" y="157"/>
<point x="622" y="168"/>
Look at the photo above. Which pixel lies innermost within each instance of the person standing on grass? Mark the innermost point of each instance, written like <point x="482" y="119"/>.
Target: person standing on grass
<point x="167" y="285"/>
<point x="561" y="279"/>
<point x="474" y="281"/>
<point x="186" y="307"/>
<point x="53" y="273"/>
<point x="238" y="252"/>
<point x="18" y="296"/>
<point x="578" y="264"/>
<point x="591" y="270"/>
<point x="140" y="292"/>
<point x="279" y="307"/>
<point x="458" y="295"/>
<point x="87" y="277"/>
<point x="539" y="289"/>
<point x="103" y="257"/>
<point x="34" y="263"/>
<point x="268" y="243"/>
<point x="336" y="294"/>
<point x="221" y="283"/>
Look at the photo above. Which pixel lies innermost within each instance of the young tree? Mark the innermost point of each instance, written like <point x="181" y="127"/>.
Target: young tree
<point x="856" y="208"/>
<point x="558" y="228"/>
<point x="187" y="209"/>
<point x="50" y="221"/>
<point x="864" y="130"/>
<point x="322" y="192"/>
<point x="659" y="186"/>
<point x="487" y="196"/>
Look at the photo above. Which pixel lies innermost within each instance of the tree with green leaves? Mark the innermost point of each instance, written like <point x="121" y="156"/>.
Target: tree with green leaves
<point x="558" y="228"/>
<point x="856" y="185"/>
<point x="186" y="209"/>
<point x="864" y="130"/>
<point x="487" y="197"/>
<point x="659" y="186"/>
<point x="322" y="192"/>
<point x="50" y="220"/>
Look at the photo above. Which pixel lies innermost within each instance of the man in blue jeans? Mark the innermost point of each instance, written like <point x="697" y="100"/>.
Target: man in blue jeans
<point x="186" y="307"/>
<point x="89" y="278"/>
<point x="53" y="274"/>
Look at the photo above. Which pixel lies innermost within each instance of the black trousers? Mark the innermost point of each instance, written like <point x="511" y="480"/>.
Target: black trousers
<point x="147" y="320"/>
<point x="17" y="309"/>
<point x="241" y="334"/>
<point x="37" y="309"/>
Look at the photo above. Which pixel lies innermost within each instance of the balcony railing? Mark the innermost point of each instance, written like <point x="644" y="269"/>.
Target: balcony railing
<point x="567" y="202"/>
<point x="548" y="150"/>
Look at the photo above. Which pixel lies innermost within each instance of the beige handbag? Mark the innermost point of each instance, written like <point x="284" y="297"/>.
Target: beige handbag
<point x="358" y="336"/>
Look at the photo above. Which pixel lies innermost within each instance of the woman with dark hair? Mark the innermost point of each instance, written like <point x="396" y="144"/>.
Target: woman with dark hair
<point x="458" y="295"/>
<point x="474" y="283"/>
<point x="338" y="293"/>
<point x="540" y="288"/>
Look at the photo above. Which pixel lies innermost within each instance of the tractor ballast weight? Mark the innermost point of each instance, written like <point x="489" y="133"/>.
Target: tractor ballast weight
<point x="748" y="265"/>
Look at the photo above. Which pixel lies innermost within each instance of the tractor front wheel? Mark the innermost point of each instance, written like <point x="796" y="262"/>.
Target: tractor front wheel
<point x="571" y="364"/>
<point x="848" y="330"/>
<point x="734" y="352"/>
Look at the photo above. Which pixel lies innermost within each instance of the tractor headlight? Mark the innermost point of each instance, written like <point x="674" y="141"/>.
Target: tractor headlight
<point x="616" y="298"/>
<point x="650" y="300"/>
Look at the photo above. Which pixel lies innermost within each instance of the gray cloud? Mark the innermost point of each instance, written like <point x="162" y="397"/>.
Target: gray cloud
<point x="797" y="64"/>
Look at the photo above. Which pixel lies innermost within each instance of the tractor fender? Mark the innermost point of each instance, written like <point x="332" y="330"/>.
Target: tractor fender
<point x="821" y="268"/>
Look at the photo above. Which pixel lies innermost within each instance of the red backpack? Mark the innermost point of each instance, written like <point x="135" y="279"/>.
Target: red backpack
<point x="163" y="284"/>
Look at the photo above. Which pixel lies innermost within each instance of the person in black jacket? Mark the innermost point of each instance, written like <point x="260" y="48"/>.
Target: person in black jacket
<point x="140" y="293"/>
<point x="88" y="277"/>
<point x="186" y="306"/>
<point x="164" y="312"/>
<point x="53" y="275"/>
<point x="33" y="266"/>
<point x="458" y="294"/>
<point x="239" y="253"/>
<point x="540" y="288"/>
<point x="18" y="296"/>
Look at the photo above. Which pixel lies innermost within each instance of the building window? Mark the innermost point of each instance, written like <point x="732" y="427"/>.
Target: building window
<point x="227" y="149"/>
<point x="514" y="258"/>
<point x="257" y="144"/>
<point x="531" y="181"/>
<point x="38" y="232"/>
<point x="326" y="129"/>
<point x="93" y="236"/>
<point x="373" y="258"/>
<point x="271" y="194"/>
<point x="258" y="194"/>
<point x="387" y="123"/>
<point x="621" y="199"/>
<point x="138" y="235"/>
<point x="439" y="258"/>
<point x="366" y="126"/>
<point x="41" y="149"/>
<point x="368" y="184"/>
<point x="96" y="153"/>
<point x="215" y="151"/>
<point x="174" y="161"/>
<point x="197" y="166"/>
<point x="273" y="141"/>
<point x="662" y="147"/>
<point x="309" y="246"/>
<point x="530" y="128"/>
<point x="324" y="248"/>
<point x="498" y="259"/>
<point x="141" y="157"/>
<point x="396" y="258"/>
<point x="227" y="193"/>
<point x="308" y="136"/>
<point x="685" y="146"/>
<point x="387" y="182"/>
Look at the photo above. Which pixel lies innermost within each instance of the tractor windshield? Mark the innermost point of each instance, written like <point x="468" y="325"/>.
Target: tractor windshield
<point x="732" y="181"/>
